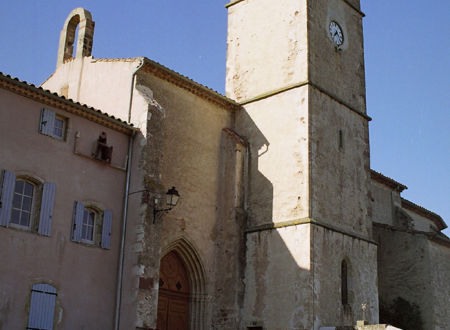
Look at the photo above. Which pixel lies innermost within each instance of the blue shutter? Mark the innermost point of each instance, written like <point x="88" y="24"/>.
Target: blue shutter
<point x="7" y="194"/>
<point x="42" y="307"/>
<point x="106" y="229"/>
<point x="47" y="122"/>
<point x="45" y="219"/>
<point x="77" y="222"/>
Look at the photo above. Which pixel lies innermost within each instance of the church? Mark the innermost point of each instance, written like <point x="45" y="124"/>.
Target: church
<point x="175" y="207"/>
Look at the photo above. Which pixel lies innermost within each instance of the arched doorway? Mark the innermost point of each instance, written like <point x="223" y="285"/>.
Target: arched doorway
<point x="174" y="294"/>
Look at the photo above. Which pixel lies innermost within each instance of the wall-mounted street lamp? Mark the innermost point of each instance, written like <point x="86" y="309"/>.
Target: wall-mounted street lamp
<point x="172" y="197"/>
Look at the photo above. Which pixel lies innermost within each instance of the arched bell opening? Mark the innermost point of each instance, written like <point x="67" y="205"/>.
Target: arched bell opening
<point x="82" y="19"/>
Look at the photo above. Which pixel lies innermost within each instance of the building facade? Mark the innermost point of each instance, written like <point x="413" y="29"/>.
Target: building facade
<point x="281" y="222"/>
<point x="61" y="210"/>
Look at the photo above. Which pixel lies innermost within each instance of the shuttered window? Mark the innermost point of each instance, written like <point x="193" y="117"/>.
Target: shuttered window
<point x="22" y="203"/>
<point x="47" y="122"/>
<point x="77" y="221"/>
<point x="87" y="224"/>
<point x="52" y="125"/>
<point x="46" y="214"/>
<point x="6" y="198"/>
<point x="106" y="229"/>
<point x="42" y="307"/>
<point x="16" y="203"/>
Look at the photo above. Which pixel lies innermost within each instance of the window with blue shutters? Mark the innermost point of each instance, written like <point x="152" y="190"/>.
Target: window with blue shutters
<point x="52" y="124"/>
<point x="42" y="307"/>
<point x="91" y="226"/>
<point x="19" y="201"/>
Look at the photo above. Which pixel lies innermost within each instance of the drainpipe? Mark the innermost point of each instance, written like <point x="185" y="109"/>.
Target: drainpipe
<point x="125" y="207"/>
<point x="124" y="232"/>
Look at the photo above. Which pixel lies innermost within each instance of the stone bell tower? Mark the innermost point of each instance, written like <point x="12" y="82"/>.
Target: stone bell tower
<point x="297" y="67"/>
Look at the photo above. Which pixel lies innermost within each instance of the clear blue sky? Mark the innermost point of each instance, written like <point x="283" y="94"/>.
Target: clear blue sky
<point x="407" y="52"/>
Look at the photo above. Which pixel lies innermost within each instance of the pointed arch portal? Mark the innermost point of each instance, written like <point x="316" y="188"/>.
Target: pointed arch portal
<point x="181" y="297"/>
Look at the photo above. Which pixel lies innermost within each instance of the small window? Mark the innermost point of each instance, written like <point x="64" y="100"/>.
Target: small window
<point x="92" y="226"/>
<point x="52" y="124"/>
<point x="59" y="127"/>
<point x="21" y="214"/>
<point x="89" y="223"/>
<point x="344" y="283"/>
<point x="341" y="140"/>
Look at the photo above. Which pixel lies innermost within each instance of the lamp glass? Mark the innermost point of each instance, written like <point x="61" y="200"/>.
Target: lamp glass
<point x="172" y="197"/>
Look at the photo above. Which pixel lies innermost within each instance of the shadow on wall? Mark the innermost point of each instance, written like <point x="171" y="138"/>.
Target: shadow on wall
<point x="272" y="276"/>
<point x="401" y="313"/>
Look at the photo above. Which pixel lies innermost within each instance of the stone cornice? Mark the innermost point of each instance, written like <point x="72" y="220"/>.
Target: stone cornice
<point x="232" y="3"/>
<point x="436" y="237"/>
<point x="303" y="221"/>
<point x="354" y="8"/>
<point x="301" y="84"/>
<point x="52" y="99"/>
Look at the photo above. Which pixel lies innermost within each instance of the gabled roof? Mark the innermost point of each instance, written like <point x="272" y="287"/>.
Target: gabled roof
<point x="391" y="183"/>
<point x="179" y="80"/>
<point x="438" y="221"/>
<point x="194" y="87"/>
<point x="47" y="97"/>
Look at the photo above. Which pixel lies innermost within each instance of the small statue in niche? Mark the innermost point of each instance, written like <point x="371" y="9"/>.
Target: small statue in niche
<point x="102" y="150"/>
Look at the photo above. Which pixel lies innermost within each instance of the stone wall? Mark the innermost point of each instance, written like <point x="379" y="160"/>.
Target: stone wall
<point x="276" y="129"/>
<point x="188" y="148"/>
<point x="278" y="279"/>
<point x="267" y="47"/>
<point x="404" y="271"/>
<point x="339" y="174"/>
<point x="440" y="284"/>
<point x="330" y="248"/>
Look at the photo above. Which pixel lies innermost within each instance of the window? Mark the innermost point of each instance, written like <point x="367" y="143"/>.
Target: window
<point x="17" y="203"/>
<point x="59" y="128"/>
<point x="52" y="124"/>
<point x="344" y="283"/>
<point x="87" y="231"/>
<point x="341" y="140"/>
<point x="91" y="226"/>
<point x="42" y="307"/>
<point x="22" y="203"/>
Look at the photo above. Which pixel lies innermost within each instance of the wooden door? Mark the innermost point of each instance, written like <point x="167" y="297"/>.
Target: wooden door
<point x="173" y="297"/>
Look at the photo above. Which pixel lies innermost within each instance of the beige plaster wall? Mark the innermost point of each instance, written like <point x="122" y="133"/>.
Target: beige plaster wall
<point x="278" y="279"/>
<point x="329" y="249"/>
<point x="340" y="176"/>
<point x="277" y="131"/>
<point x="85" y="276"/>
<point x="102" y="84"/>
<point x="267" y="47"/>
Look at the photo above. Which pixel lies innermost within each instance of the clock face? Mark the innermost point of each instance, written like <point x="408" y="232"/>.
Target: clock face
<point x="336" y="33"/>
